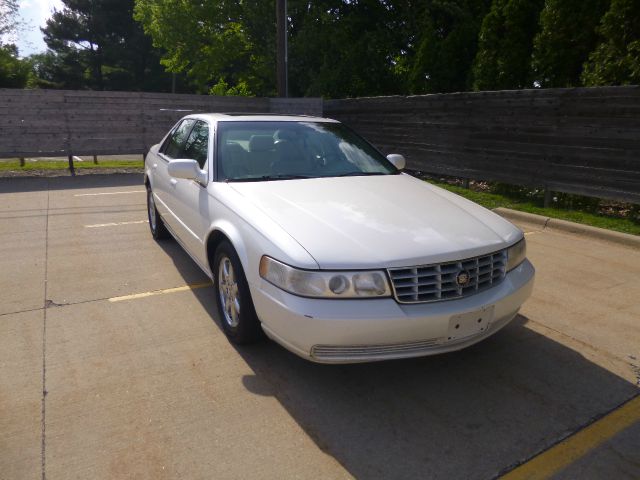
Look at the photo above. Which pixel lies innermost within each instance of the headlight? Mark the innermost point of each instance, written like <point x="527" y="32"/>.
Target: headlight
<point x="516" y="254"/>
<point x="323" y="283"/>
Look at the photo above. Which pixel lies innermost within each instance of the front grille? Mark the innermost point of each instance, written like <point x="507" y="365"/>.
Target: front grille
<point x="354" y="352"/>
<point x="433" y="283"/>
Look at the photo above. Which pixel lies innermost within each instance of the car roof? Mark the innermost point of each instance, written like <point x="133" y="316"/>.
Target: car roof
<point x="259" y="117"/>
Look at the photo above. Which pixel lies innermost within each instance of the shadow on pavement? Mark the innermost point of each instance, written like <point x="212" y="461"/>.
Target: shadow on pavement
<point x="469" y="414"/>
<point x="37" y="184"/>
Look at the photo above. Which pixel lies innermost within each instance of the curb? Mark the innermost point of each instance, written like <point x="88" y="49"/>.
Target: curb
<point x="571" y="227"/>
<point x="516" y="215"/>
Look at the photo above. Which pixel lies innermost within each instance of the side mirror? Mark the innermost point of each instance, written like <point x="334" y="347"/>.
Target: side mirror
<point x="187" y="169"/>
<point x="397" y="160"/>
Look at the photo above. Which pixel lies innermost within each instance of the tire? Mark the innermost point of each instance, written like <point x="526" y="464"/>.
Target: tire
<point x="233" y="298"/>
<point x="156" y="225"/>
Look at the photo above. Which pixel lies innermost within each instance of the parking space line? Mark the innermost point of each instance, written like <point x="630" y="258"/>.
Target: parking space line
<point x="193" y="286"/>
<point x="563" y="454"/>
<point x="115" y="224"/>
<point x="107" y="193"/>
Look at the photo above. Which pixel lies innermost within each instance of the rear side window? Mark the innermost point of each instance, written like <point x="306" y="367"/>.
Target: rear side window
<point x="176" y="142"/>
<point x="197" y="144"/>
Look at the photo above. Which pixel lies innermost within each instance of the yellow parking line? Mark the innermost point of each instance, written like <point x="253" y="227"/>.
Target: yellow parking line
<point x="115" y="224"/>
<point x="575" y="447"/>
<point x="193" y="286"/>
<point x="107" y="193"/>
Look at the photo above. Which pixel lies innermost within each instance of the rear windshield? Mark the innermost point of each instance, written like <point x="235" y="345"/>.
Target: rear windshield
<point x="263" y="151"/>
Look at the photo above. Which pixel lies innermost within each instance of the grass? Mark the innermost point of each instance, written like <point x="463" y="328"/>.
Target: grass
<point x="494" y="200"/>
<point x="33" y="165"/>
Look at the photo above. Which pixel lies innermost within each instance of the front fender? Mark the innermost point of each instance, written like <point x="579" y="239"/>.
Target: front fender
<point x="230" y="231"/>
<point x="252" y="233"/>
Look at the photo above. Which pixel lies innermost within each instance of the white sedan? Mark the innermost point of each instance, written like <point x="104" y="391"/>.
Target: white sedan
<point x="313" y="237"/>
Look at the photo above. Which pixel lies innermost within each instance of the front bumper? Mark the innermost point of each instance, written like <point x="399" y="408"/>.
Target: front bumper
<point x="363" y="330"/>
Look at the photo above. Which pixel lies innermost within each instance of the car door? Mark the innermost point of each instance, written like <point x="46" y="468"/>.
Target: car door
<point x="163" y="185"/>
<point x="190" y="197"/>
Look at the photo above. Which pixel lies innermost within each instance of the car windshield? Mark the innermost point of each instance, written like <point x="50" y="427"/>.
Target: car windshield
<point x="281" y="150"/>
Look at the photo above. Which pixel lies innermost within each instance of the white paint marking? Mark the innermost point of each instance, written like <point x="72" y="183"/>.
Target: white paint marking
<point x="107" y="193"/>
<point x="113" y="224"/>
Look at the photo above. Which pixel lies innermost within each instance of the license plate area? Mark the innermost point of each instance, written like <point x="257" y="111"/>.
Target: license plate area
<point x="470" y="323"/>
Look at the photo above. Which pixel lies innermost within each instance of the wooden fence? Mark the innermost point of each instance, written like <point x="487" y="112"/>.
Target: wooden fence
<point x="62" y="123"/>
<point x="582" y="140"/>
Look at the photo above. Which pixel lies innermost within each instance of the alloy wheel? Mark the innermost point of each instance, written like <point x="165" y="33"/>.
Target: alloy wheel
<point x="152" y="210"/>
<point x="228" y="292"/>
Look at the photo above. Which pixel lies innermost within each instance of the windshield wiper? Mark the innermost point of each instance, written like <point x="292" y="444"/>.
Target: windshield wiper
<point x="266" y="178"/>
<point x="284" y="176"/>
<point x="355" y="174"/>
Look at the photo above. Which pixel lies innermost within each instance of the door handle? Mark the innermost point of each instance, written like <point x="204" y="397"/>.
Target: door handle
<point x="155" y="165"/>
<point x="173" y="182"/>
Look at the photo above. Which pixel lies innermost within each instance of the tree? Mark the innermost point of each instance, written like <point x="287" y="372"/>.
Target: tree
<point x="448" y="41"/>
<point x="101" y="38"/>
<point x="9" y="23"/>
<point x="336" y="47"/>
<point x="56" y="70"/>
<point x="345" y="48"/>
<point x="215" y="42"/>
<point x="14" y="72"/>
<point x="505" y="45"/>
<point x="616" y="59"/>
<point x="567" y="35"/>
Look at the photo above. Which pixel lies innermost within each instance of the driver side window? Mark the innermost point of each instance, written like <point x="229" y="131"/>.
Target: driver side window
<point x="174" y="147"/>
<point x="197" y="144"/>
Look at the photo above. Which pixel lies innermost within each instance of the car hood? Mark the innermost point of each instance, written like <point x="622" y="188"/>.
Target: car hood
<point x="378" y="221"/>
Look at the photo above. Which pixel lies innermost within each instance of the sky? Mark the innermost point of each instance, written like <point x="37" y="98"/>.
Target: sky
<point x="34" y="14"/>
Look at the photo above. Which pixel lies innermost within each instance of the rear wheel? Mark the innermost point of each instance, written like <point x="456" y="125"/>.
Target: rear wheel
<point x="237" y="313"/>
<point x="156" y="225"/>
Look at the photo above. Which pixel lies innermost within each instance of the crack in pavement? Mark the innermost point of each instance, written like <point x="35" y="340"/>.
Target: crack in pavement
<point x="22" y="311"/>
<point x="52" y="304"/>
<point x="44" y="343"/>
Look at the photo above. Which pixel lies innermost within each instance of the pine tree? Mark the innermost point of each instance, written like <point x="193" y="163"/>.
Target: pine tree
<point x="101" y="39"/>
<point x="616" y="59"/>
<point x="567" y="35"/>
<point x="448" y="42"/>
<point x="505" y="44"/>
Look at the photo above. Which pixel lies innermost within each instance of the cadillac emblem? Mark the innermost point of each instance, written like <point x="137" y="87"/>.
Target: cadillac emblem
<point x="463" y="278"/>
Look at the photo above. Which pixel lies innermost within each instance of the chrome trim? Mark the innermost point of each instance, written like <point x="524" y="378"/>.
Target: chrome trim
<point x="437" y="282"/>
<point x="354" y="352"/>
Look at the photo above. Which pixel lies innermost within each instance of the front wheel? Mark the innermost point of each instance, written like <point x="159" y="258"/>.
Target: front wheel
<point x="237" y="313"/>
<point x="156" y="225"/>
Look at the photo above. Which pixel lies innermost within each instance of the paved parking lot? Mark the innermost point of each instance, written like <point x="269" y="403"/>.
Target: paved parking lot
<point x="113" y="365"/>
